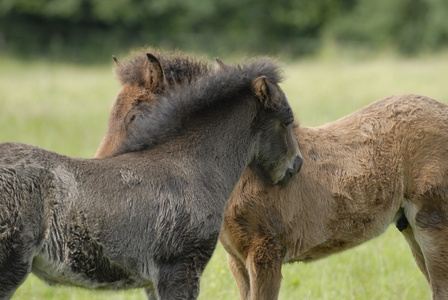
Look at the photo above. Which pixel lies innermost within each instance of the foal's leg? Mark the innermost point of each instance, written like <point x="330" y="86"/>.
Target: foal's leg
<point x="178" y="281"/>
<point x="241" y="276"/>
<point x="429" y="222"/>
<point x="151" y="294"/>
<point x="15" y="265"/>
<point x="264" y="264"/>
<point x="434" y="245"/>
<point x="408" y="234"/>
<point x="18" y="243"/>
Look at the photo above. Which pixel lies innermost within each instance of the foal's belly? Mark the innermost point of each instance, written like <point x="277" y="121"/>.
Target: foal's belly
<point x="336" y="239"/>
<point x="114" y="277"/>
<point x="323" y="250"/>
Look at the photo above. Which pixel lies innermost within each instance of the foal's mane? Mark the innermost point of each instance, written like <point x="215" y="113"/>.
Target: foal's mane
<point x="177" y="66"/>
<point x="216" y="90"/>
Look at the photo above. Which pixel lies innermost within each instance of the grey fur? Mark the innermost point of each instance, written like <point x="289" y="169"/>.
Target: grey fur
<point x="146" y="219"/>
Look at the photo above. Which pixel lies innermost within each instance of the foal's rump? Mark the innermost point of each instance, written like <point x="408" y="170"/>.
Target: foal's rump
<point x="27" y="192"/>
<point x="26" y="198"/>
<point x="423" y="125"/>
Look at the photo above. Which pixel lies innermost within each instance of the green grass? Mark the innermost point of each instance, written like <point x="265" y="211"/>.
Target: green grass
<point x="64" y="108"/>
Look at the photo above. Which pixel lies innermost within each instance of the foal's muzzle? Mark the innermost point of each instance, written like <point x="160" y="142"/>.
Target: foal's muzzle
<point x="298" y="162"/>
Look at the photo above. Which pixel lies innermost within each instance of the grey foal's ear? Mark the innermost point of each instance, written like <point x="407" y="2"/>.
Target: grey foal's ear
<point x="222" y="66"/>
<point x="261" y="90"/>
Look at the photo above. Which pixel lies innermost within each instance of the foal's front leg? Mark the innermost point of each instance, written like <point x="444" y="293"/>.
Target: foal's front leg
<point x="241" y="276"/>
<point x="178" y="281"/>
<point x="264" y="264"/>
<point x="151" y="293"/>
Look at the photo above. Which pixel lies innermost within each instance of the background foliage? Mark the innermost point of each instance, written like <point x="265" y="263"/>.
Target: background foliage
<point x="63" y="106"/>
<point x="86" y="29"/>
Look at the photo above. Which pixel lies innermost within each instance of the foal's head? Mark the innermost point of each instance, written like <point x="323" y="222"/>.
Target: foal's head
<point x="144" y="79"/>
<point x="277" y="149"/>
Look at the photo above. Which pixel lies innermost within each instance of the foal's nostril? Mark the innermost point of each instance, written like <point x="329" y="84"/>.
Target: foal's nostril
<point x="298" y="162"/>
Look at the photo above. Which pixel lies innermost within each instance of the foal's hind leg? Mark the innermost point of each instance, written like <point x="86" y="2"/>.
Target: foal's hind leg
<point x="434" y="247"/>
<point x="15" y="265"/>
<point x="408" y="234"/>
<point x="429" y="221"/>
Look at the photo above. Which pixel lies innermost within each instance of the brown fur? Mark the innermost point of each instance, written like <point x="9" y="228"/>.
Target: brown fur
<point x="360" y="174"/>
<point x="142" y="83"/>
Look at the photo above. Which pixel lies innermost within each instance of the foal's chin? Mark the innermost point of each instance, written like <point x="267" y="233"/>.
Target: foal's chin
<point x="280" y="176"/>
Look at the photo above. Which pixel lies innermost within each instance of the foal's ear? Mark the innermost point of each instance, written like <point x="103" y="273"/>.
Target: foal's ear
<point x="154" y="75"/>
<point x="117" y="62"/>
<point x="261" y="90"/>
<point x="222" y="66"/>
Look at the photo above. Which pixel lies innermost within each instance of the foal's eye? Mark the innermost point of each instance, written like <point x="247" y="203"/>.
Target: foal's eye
<point x="130" y="119"/>
<point x="288" y="122"/>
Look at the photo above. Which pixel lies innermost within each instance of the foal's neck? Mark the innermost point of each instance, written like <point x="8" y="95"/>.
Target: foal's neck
<point x="223" y="141"/>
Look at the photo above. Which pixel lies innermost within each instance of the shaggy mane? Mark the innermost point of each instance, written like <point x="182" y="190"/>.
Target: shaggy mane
<point x="167" y="118"/>
<point x="177" y="66"/>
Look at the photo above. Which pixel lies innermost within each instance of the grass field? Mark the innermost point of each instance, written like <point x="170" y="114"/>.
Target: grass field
<point x="64" y="108"/>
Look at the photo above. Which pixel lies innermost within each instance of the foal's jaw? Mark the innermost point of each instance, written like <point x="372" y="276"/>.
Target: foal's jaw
<point x="278" y="170"/>
<point x="292" y="165"/>
<point x="295" y="168"/>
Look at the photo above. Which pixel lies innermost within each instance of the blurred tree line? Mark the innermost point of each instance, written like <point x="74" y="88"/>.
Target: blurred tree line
<point x="83" y="29"/>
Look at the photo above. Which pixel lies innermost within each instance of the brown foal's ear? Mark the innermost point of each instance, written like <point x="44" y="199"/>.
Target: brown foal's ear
<point x="117" y="62"/>
<point x="222" y="66"/>
<point x="154" y="75"/>
<point x="261" y="90"/>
